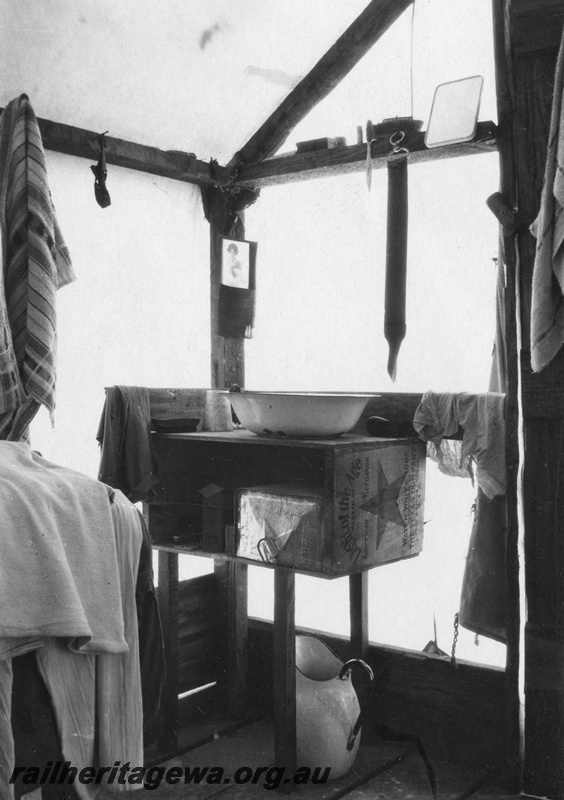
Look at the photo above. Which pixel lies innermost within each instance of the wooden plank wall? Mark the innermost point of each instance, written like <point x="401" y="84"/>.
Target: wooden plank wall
<point x="191" y="619"/>
<point x="197" y="632"/>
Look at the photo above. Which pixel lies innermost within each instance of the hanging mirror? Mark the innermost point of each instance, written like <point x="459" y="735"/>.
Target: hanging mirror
<point x="454" y="112"/>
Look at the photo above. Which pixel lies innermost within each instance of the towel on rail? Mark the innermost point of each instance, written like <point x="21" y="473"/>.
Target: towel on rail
<point x="35" y="263"/>
<point x="124" y="435"/>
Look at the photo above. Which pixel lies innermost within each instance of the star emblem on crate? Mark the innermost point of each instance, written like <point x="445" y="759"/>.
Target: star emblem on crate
<point x="384" y="503"/>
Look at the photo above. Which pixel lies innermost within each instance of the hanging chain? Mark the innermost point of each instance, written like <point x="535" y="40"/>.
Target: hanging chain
<point x="454" y="641"/>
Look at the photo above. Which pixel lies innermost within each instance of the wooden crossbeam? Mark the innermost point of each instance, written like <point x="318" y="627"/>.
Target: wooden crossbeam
<point x="82" y="143"/>
<point x="340" y="160"/>
<point x="327" y="73"/>
<point x="173" y="164"/>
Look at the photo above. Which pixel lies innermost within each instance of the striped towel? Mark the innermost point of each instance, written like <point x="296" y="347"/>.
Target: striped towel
<point x="547" y="301"/>
<point x="35" y="264"/>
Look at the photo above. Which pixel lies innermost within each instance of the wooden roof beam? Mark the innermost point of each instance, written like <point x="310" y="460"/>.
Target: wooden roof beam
<point x="339" y="60"/>
<point x="173" y="164"/>
<point x="341" y="160"/>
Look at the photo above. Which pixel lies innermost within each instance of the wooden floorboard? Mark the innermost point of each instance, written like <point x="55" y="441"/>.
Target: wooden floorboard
<point x="382" y="771"/>
<point x="409" y="779"/>
<point x="198" y="734"/>
<point x="369" y="762"/>
<point x="495" y="792"/>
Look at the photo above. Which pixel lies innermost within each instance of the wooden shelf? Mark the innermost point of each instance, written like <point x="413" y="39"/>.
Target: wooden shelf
<point x="185" y="550"/>
<point x="242" y="436"/>
<point x="294" y="167"/>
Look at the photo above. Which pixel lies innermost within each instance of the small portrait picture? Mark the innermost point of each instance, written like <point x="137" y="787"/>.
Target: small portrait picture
<point x="235" y="263"/>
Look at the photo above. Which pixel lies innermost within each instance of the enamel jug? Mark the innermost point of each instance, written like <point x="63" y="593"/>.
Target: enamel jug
<point x="328" y="712"/>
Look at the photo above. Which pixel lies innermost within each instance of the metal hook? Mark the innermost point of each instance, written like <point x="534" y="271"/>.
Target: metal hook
<point x="99" y="143"/>
<point x="268" y="550"/>
<point x="395" y="140"/>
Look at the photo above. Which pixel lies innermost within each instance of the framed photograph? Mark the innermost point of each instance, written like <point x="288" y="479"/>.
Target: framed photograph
<point x="235" y="263"/>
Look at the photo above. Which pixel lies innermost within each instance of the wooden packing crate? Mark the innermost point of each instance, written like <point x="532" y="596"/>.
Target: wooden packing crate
<point x="369" y="512"/>
<point x="370" y="491"/>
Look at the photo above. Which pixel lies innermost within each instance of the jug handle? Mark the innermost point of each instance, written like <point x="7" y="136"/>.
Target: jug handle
<point x="345" y="670"/>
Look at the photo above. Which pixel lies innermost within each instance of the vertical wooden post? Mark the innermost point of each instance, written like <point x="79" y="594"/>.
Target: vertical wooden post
<point x="237" y="621"/>
<point x="227" y="353"/>
<point x="358" y="600"/>
<point x="167" y="593"/>
<point x="509" y="253"/>
<point x="534" y="33"/>
<point x="544" y="631"/>
<point x="232" y="587"/>
<point x="284" y="654"/>
<point x="227" y="367"/>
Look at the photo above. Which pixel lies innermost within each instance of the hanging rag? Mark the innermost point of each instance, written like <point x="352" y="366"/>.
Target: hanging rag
<point x="35" y="263"/>
<point x="124" y="435"/>
<point x="481" y="451"/>
<point x="396" y="253"/>
<point x="547" y="299"/>
<point x="482" y="418"/>
<point x="483" y="597"/>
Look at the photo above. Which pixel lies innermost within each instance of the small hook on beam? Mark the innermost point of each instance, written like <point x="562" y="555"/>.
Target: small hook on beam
<point x="100" y="173"/>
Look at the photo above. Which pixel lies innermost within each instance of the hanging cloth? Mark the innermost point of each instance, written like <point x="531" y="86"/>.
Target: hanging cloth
<point x="482" y="418"/>
<point x="547" y="299"/>
<point x="35" y="263"/>
<point x="483" y="598"/>
<point x="124" y="435"/>
<point x="396" y="251"/>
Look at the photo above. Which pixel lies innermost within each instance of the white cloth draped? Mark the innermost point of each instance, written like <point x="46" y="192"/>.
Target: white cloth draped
<point x="68" y="573"/>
